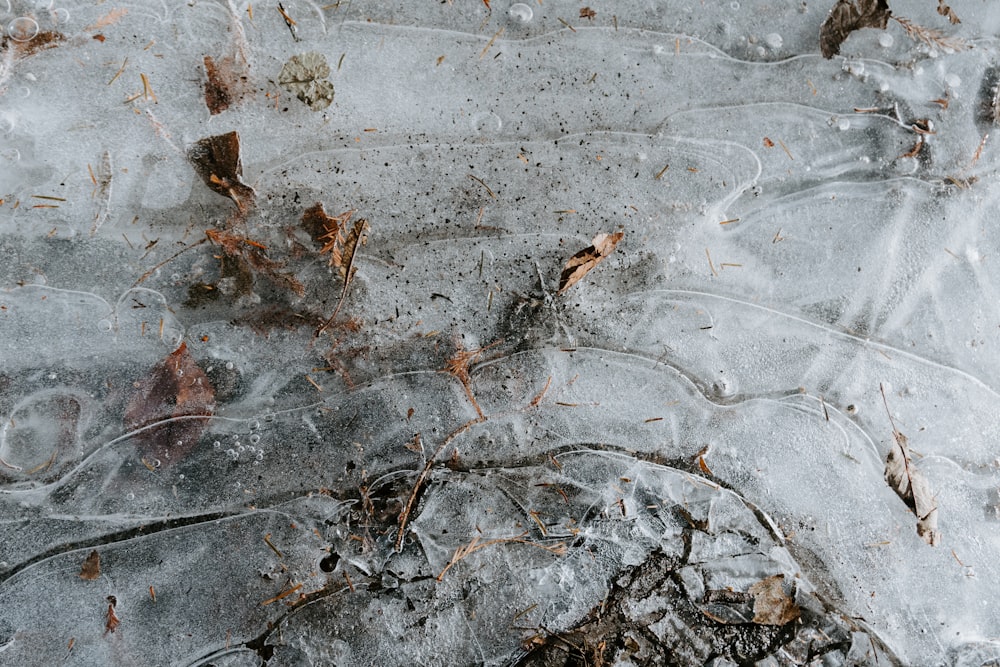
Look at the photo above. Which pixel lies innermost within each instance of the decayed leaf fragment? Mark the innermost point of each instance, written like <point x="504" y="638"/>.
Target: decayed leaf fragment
<point x="174" y="399"/>
<point x="771" y="605"/>
<point x="584" y="261"/>
<point x="91" y="568"/>
<point x="217" y="160"/>
<point x="305" y="76"/>
<point x="226" y="83"/>
<point x="911" y="486"/>
<point x="848" y="16"/>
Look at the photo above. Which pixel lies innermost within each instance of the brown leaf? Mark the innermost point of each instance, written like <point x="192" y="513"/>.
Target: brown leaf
<point x="848" y="16"/>
<point x="587" y="13"/>
<point x="217" y="160"/>
<point x="909" y="484"/>
<point x="584" y="261"/>
<point x="771" y="605"/>
<point x="912" y="488"/>
<point x="224" y="85"/>
<point x="945" y="10"/>
<point x="170" y="399"/>
<point x="321" y="226"/>
<point x="113" y="621"/>
<point x="91" y="568"/>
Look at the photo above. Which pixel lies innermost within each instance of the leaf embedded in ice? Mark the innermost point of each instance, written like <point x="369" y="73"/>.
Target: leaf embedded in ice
<point x="173" y="399"/>
<point x="912" y="488"/>
<point x="584" y="261"/>
<point x="848" y="16"/>
<point x="217" y="160"/>
<point x="771" y="605"/>
<point x="305" y="76"/>
<point x="910" y="485"/>
<point x="91" y="568"/>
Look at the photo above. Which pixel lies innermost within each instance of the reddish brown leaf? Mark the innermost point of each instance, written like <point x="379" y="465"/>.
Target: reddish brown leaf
<point x="848" y="16"/>
<point x="218" y="87"/>
<point x="91" y="568"/>
<point x="584" y="261"/>
<point x="217" y="160"/>
<point x="113" y="621"/>
<point x="171" y="404"/>
<point x="587" y="13"/>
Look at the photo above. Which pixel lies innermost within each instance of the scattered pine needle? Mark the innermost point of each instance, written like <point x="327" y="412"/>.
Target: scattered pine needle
<point x="478" y="544"/>
<point x="282" y="595"/>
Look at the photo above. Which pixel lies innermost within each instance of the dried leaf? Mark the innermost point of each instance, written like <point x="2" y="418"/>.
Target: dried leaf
<point x="217" y="160"/>
<point x="587" y="13"/>
<point x="321" y="226"/>
<point x="91" y="568"/>
<point x="945" y="10"/>
<point x="771" y="605"/>
<point x="584" y="261"/>
<point x="174" y="399"/>
<point x="226" y="83"/>
<point x="911" y="486"/>
<point x="113" y="621"/>
<point x="848" y="16"/>
<point x="305" y="76"/>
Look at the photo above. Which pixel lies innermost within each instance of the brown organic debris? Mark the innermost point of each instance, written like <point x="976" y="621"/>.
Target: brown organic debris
<point x="222" y="84"/>
<point x="929" y="36"/>
<point x="91" y="568"/>
<point x="113" y="621"/>
<point x="771" y="605"/>
<point x="587" y="13"/>
<point x="477" y="544"/>
<point x="170" y="407"/>
<point x="948" y="12"/>
<point x="243" y="255"/>
<point x="584" y="261"/>
<point x="848" y="16"/>
<point x="217" y="160"/>
<point x="306" y="76"/>
<point x="343" y="250"/>
<point x="910" y="485"/>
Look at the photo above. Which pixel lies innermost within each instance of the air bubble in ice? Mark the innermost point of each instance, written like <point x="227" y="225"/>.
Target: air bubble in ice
<point x="230" y="366"/>
<point x="231" y="453"/>
<point x="885" y="40"/>
<point x="217" y="444"/>
<point x="255" y="438"/>
<point x="130" y="496"/>
<point x="735" y="6"/>
<point x="260" y="456"/>
<point x="487" y="123"/>
<point x="844" y="124"/>
<point x="254" y="425"/>
<point x="723" y="388"/>
<point x="22" y="29"/>
<point x="240" y="448"/>
<point x="10" y="154"/>
<point x="520" y="12"/>
<point x="156" y="463"/>
<point x="773" y="40"/>
<point x="61" y="15"/>
<point x="104" y="325"/>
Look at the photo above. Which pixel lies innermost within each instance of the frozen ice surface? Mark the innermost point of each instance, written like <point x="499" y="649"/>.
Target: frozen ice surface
<point x="624" y="462"/>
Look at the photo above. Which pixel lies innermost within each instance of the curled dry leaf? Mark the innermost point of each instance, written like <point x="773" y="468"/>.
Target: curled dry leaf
<point x="584" y="261"/>
<point x="848" y="16"/>
<point x="911" y="486"/>
<point x="217" y="160"/>
<point x="771" y="605"/>
<point x="913" y="489"/>
<point x="305" y="76"/>
<point x="91" y="568"/>
<point x="174" y="399"/>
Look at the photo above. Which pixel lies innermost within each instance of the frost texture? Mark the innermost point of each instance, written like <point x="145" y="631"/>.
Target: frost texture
<point x="697" y="416"/>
